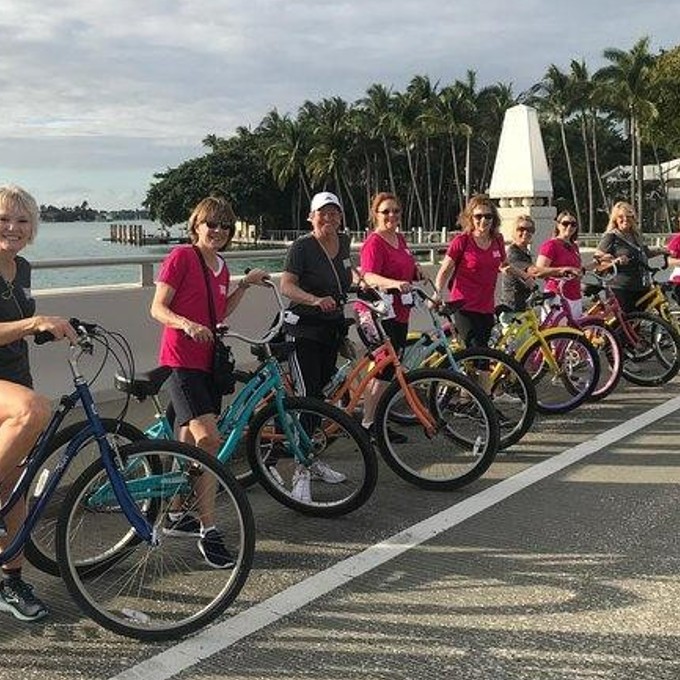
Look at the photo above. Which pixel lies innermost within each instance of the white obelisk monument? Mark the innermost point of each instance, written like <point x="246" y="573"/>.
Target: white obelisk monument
<point x="521" y="180"/>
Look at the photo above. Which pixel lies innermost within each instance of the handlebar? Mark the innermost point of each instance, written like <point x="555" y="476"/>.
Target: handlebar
<point x="223" y="331"/>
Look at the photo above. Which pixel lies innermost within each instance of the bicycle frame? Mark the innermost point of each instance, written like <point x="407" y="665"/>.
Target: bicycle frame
<point x="527" y="326"/>
<point x="655" y="299"/>
<point x="367" y="368"/>
<point x="39" y="453"/>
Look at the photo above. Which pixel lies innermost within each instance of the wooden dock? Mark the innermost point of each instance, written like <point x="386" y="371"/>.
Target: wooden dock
<point x="134" y="234"/>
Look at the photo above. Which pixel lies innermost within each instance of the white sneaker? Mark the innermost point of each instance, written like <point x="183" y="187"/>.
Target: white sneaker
<point x="302" y="485"/>
<point x="324" y="472"/>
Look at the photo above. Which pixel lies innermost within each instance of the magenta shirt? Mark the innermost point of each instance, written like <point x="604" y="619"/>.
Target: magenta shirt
<point x="182" y="271"/>
<point x="476" y="272"/>
<point x="377" y="256"/>
<point x="562" y="254"/>
<point x="674" y="249"/>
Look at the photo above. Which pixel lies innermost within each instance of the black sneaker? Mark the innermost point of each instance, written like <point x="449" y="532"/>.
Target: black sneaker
<point x="186" y="525"/>
<point x="213" y="550"/>
<point x="16" y="597"/>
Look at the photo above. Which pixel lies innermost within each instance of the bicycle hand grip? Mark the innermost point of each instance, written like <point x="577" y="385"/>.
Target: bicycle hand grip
<point x="41" y="337"/>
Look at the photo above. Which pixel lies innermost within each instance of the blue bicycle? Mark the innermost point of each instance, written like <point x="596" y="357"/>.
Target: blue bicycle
<point x="117" y="563"/>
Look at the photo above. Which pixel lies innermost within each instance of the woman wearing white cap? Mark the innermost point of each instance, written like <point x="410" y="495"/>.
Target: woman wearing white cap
<point x="317" y="273"/>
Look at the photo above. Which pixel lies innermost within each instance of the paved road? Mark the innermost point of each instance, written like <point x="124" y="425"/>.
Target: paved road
<point x="562" y="562"/>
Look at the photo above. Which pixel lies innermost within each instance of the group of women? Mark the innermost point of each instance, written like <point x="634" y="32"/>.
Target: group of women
<point x="193" y="294"/>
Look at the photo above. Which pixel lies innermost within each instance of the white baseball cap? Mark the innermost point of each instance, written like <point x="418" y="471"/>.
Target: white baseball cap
<point x="324" y="198"/>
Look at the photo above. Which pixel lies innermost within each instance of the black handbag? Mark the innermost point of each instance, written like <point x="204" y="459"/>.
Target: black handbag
<point x="223" y="360"/>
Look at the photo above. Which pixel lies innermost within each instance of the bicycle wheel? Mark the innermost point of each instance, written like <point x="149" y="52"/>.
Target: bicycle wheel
<point x="609" y="353"/>
<point x="465" y="439"/>
<point x="40" y="545"/>
<point x="338" y="471"/>
<point x="651" y="349"/>
<point x="162" y="591"/>
<point x="573" y="378"/>
<point x="511" y="390"/>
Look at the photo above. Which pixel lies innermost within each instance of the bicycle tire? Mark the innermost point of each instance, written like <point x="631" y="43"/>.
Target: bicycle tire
<point x="40" y="545"/>
<point x="565" y="391"/>
<point x="337" y="440"/>
<point x="656" y="358"/>
<point x="512" y="392"/>
<point x="609" y="353"/>
<point x="466" y="437"/>
<point x="164" y="591"/>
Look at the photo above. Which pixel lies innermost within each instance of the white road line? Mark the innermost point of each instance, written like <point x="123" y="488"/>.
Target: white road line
<point x="212" y="640"/>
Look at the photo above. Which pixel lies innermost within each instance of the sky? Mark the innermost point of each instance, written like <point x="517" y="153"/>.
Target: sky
<point x="98" y="96"/>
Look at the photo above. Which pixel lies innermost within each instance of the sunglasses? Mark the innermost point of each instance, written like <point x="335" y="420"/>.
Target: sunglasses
<point x="483" y="216"/>
<point x="528" y="230"/>
<point x="390" y="211"/>
<point x="569" y="223"/>
<point x="224" y="226"/>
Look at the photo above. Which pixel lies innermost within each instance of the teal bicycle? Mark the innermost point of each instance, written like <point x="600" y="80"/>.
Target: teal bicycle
<point x="280" y="436"/>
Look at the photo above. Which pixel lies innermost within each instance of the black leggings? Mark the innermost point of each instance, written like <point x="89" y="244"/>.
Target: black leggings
<point x="312" y="366"/>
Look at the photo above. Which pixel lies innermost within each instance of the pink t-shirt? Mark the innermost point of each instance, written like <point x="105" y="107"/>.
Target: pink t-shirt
<point x="674" y="249"/>
<point x="182" y="271"/>
<point x="377" y="256"/>
<point x="562" y="254"/>
<point x="476" y="272"/>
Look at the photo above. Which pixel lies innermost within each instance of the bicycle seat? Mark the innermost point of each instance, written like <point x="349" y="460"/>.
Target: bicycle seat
<point x="280" y="350"/>
<point x="502" y="308"/>
<point x="144" y="384"/>
<point x="591" y="289"/>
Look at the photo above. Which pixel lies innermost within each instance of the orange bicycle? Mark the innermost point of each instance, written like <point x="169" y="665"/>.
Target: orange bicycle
<point x="451" y="435"/>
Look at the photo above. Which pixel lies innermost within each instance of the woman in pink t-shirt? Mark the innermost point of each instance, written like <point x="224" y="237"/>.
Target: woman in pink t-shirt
<point x="472" y="263"/>
<point x="387" y="263"/>
<point x="559" y="257"/>
<point x="181" y="305"/>
<point x="673" y="247"/>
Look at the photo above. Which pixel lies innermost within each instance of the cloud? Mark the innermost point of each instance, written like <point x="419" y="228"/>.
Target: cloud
<point x="145" y="82"/>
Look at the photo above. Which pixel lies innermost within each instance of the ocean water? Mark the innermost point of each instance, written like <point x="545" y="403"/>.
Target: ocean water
<point x="82" y="240"/>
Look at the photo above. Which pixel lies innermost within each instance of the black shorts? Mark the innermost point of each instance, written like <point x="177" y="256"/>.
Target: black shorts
<point x="193" y="394"/>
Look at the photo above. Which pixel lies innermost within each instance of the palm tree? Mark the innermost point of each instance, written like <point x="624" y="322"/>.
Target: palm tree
<point x="285" y="152"/>
<point x="583" y="90"/>
<point x="627" y="82"/>
<point x="332" y="146"/>
<point x="424" y="94"/>
<point x="378" y="105"/>
<point x="553" y="97"/>
<point x="407" y="112"/>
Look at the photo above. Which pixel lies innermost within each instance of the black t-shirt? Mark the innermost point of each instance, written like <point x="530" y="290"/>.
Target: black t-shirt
<point x="308" y="261"/>
<point x="633" y="275"/>
<point x="16" y="303"/>
<point x="514" y="291"/>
